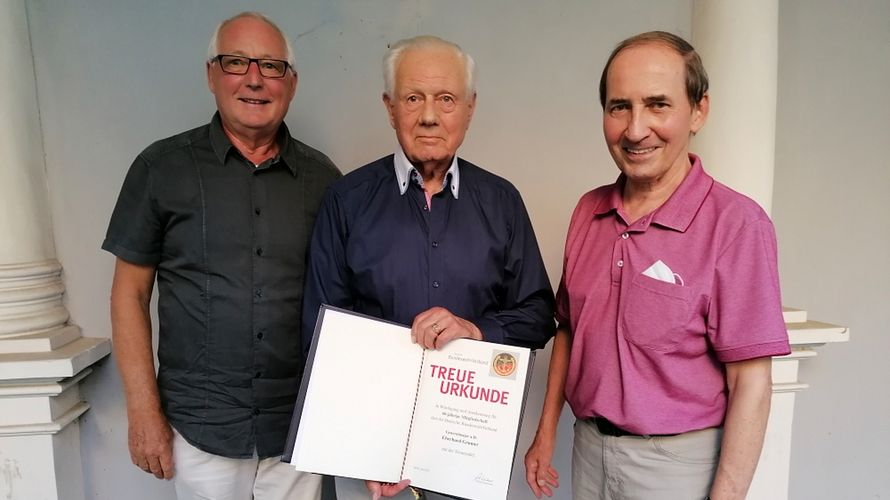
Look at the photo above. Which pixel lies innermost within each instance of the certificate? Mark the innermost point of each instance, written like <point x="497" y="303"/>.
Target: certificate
<point x="373" y="405"/>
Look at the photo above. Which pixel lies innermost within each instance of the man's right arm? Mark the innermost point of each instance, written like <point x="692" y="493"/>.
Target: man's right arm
<point x="150" y="436"/>
<point x="539" y="473"/>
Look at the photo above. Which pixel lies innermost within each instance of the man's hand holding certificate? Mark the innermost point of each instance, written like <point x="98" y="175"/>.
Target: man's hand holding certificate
<point x="378" y="407"/>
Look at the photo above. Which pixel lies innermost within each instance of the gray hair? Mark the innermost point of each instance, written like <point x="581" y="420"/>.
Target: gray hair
<point x="213" y="49"/>
<point x="395" y="52"/>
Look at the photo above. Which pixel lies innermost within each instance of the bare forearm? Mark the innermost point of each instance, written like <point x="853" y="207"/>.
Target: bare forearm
<point x="131" y="331"/>
<point x="540" y="474"/>
<point x="750" y="389"/>
<point x="554" y="398"/>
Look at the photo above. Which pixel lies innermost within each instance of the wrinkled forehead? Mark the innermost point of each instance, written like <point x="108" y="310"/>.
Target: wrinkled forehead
<point x="432" y="64"/>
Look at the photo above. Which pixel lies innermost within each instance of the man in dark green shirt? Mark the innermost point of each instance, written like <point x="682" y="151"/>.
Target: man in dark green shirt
<point x="221" y="216"/>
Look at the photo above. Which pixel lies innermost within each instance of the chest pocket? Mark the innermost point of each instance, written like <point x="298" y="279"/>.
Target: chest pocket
<point x="656" y="314"/>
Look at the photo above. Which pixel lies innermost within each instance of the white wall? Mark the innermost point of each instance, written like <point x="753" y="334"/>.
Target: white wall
<point x="115" y="75"/>
<point x="831" y="207"/>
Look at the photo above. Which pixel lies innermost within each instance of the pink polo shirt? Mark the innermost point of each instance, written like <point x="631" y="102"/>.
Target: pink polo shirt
<point x="658" y="306"/>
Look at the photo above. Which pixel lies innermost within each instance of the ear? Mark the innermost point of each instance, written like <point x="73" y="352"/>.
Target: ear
<point x="472" y="108"/>
<point x="700" y="113"/>
<point x="293" y="85"/>
<point x="210" y="84"/>
<point x="387" y="102"/>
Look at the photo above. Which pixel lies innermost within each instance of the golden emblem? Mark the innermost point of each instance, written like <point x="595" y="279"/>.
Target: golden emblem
<point x="504" y="364"/>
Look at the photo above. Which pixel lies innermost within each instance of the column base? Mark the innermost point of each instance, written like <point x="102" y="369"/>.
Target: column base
<point x="40" y="403"/>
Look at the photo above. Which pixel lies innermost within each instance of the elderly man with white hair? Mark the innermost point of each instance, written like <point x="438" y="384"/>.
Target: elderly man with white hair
<point x="221" y="216"/>
<point x="424" y="238"/>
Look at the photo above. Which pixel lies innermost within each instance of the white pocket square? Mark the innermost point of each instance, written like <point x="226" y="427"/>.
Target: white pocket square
<point x="661" y="272"/>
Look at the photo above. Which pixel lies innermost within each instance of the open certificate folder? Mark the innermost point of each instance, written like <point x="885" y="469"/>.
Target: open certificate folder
<point x="375" y="406"/>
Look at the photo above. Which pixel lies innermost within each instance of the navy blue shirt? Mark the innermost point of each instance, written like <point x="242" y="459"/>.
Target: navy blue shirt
<point x="229" y="241"/>
<point x="386" y="254"/>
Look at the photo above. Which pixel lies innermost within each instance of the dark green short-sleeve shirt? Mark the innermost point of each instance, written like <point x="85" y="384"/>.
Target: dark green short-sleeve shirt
<point x="229" y="242"/>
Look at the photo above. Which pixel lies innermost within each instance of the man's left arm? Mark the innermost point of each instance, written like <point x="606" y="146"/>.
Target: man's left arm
<point x="750" y="389"/>
<point x="525" y="315"/>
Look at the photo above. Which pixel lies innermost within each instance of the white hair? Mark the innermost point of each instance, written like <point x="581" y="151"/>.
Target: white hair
<point x="213" y="47"/>
<point x="395" y="52"/>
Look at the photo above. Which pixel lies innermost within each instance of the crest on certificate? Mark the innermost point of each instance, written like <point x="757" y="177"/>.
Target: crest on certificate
<point x="503" y="364"/>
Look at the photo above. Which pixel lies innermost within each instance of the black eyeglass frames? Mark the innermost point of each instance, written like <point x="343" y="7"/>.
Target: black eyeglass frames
<point x="239" y="65"/>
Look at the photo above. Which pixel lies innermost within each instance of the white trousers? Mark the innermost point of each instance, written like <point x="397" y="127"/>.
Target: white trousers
<point x="199" y="475"/>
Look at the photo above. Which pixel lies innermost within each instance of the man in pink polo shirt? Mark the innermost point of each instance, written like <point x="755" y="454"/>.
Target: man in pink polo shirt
<point x="669" y="306"/>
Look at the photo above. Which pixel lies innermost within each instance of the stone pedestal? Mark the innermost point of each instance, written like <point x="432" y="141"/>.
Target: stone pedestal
<point x="42" y="362"/>
<point x="773" y="471"/>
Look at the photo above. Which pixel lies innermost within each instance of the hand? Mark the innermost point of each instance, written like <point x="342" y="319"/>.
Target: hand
<point x="379" y="489"/>
<point x="151" y="443"/>
<point x="435" y="327"/>
<point x="539" y="474"/>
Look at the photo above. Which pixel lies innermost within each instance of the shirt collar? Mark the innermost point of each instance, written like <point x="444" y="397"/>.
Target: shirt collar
<point x="679" y="210"/>
<point x="222" y="146"/>
<point x="403" y="169"/>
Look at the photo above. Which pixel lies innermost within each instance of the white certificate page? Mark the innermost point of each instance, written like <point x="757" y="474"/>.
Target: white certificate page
<point x="467" y="419"/>
<point x="359" y="400"/>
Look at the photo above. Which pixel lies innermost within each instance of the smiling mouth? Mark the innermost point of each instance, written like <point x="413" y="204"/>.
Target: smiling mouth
<point x="638" y="151"/>
<point x="253" y="101"/>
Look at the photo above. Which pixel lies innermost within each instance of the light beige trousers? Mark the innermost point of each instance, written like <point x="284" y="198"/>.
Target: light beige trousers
<point x="677" y="467"/>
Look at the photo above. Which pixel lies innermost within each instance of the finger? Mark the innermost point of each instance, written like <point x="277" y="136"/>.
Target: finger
<point x="390" y="490"/>
<point x="374" y="488"/>
<point x="421" y="326"/>
<point x="415" y="329"/>
<point x="166" y="460"/>
<point x="427" y="332"/>
<point x="430" y="336"/>
<point x="141" y="462"/>
<point x="547" y="476"/>
<point x="554" y="474"/>
<point x="445" y="337"/>
<point x="154" y="467"/>
<point x="531" y="476"/>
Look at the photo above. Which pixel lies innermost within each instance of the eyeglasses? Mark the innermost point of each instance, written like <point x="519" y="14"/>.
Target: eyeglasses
<point x="239" y="65"/>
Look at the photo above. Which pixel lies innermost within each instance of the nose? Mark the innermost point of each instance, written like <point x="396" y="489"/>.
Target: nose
<point x="637" y="126"/>
<point x="253" y="78"/>
<point x="428" y="114"/>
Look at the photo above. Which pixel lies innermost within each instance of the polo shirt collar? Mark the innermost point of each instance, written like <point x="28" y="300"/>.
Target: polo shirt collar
<point x="222" y="146"/>
<point x="403" y="169"/>
<point x="679" y="210"/>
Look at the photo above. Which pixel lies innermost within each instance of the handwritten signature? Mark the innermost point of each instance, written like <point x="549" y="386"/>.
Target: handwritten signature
<point x="481" y="478"/>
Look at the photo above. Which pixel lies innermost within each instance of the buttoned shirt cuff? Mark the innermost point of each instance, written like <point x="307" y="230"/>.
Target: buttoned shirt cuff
<point x="491" y="330"/>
